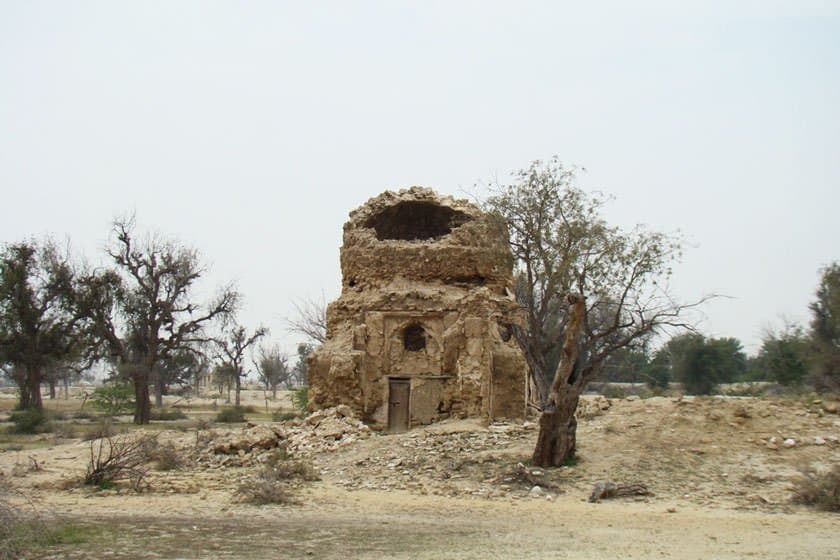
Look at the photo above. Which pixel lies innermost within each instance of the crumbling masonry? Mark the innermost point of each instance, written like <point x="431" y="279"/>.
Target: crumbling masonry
<point x="421" y="330"/>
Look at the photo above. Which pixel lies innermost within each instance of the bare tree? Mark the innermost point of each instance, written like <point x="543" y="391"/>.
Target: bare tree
<point x="231" y="351"/>
<point x="272" y="367"/>
<point x="588" y="290"/>
<point x="143" y="310"/>
<point x="310" y="320"/>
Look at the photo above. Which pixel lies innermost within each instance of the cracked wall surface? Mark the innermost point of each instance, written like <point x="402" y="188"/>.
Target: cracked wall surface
<point x="426" y="299"/>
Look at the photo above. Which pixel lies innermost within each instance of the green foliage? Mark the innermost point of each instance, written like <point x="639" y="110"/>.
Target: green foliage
<point x="231" y="415"/>
<point x="38" y="329"/>
<point x="820" y="489"/>
<point x="300" y="398"/>
<point x="114" y="399"/>
<point x="825" y="330"/>
<point x="783" y="356"/>
<point x="30" y="421"/>
<point x="657" y="373"/>
<point x="626" y="365"/>
<point x="700" y="364"/>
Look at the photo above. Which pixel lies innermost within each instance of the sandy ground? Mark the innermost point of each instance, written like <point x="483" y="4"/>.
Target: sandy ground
<point x="720" y="475"/>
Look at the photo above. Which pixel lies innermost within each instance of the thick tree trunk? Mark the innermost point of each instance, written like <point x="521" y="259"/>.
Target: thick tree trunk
<point x="52" y="389"/>
<point x="23" y="391"/>
<point x="558" y="425"/>
<point x="238" y="389"/>
<point x="33" y="382"/>
<point x="66" y="383"/>
<point x="142" y="405"/>
<point x="159" y="390"/>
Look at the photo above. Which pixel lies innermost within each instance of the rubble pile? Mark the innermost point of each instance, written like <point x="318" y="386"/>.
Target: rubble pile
<point x="321" y="432"/>
<point x="439" y="462"/>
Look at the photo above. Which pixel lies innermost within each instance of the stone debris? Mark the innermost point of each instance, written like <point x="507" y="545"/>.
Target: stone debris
<point x="589" y="407"/>
<point x="323" y="431"/>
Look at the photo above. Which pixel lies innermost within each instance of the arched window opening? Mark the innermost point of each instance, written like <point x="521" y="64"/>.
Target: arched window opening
<point x="414" y="338"/>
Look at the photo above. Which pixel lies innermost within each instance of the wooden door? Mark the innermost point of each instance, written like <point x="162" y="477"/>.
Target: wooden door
<point x="398" y="395"/>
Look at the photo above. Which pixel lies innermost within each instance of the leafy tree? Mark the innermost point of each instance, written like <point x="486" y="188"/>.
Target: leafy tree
<point x="569" y="258"/>
<point x="298" y="377"/>
<point x="180" y="367"/>
<point x="701" y="363"/>
<point x="113" y="398"/>
<point x="37" y="326"/>
<point x="730" y="357"/>
<point x="693" y="363"/>
<point x="150" y="290"/>
<point x="231" y="352"/>
<point x="626" y="365"/>
<point x="657" y="373"/>
<point x="272" y="368"/>
<point x="784" y="355"/>
<point x="825" y="329"/>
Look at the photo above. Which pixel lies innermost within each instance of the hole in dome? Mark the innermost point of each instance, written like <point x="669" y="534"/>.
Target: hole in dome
<point x="414" y="220"/>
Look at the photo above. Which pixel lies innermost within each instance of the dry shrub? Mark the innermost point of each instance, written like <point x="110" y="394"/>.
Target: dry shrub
<point x="166" y="457"/>
<point x="102" y="429"/>
<point x="19" y="528"/>
<point x="272" y="484"/>
<point x="114" y="459"/>
<point x="264" y="488"/>
<point x="819" y="488"/>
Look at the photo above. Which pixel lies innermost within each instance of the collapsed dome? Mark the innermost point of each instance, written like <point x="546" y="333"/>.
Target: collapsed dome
<point x="415" y="220"/>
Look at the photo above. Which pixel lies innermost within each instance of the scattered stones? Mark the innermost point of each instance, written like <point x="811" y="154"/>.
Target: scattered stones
<point x="789" y="442"/>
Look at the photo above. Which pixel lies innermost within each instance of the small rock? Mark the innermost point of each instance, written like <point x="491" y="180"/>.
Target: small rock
<point x="535" y="492"/>
<point x="671" y="510"/>
<point x="819" y="441"/>
<point x="789" y="442"/>
<point x="632" y="398"/>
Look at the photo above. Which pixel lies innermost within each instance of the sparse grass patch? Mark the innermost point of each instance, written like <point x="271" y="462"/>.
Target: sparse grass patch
<point x="284" y="416"/>
<point x="167" y="414"/>
<point x="102" y="429"/>
<point x="232" y="415"/>
<point x="84" y="415"/>
<point x="819" y="488"/>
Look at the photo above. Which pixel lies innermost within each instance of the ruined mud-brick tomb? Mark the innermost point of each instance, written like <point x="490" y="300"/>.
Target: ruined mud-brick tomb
<point x="422" y="329"/>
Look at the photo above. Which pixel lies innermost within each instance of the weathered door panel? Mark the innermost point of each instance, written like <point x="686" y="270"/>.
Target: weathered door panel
<point x="398" y="399"/>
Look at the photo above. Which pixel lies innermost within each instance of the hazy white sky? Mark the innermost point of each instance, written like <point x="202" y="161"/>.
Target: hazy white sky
<point x="251" y="129"/>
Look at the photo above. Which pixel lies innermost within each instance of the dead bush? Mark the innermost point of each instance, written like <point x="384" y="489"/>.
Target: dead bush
<point x="166" y="457"/>
<point x="273" y="483"/>
<point x="20" y="526"/>
<point x="819" y="488"/>
<point x="115" y="459"/>
<point x="266" y="487"/>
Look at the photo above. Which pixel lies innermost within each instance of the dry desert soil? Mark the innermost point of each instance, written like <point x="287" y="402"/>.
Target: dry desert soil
<point x="719" y="472"/>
